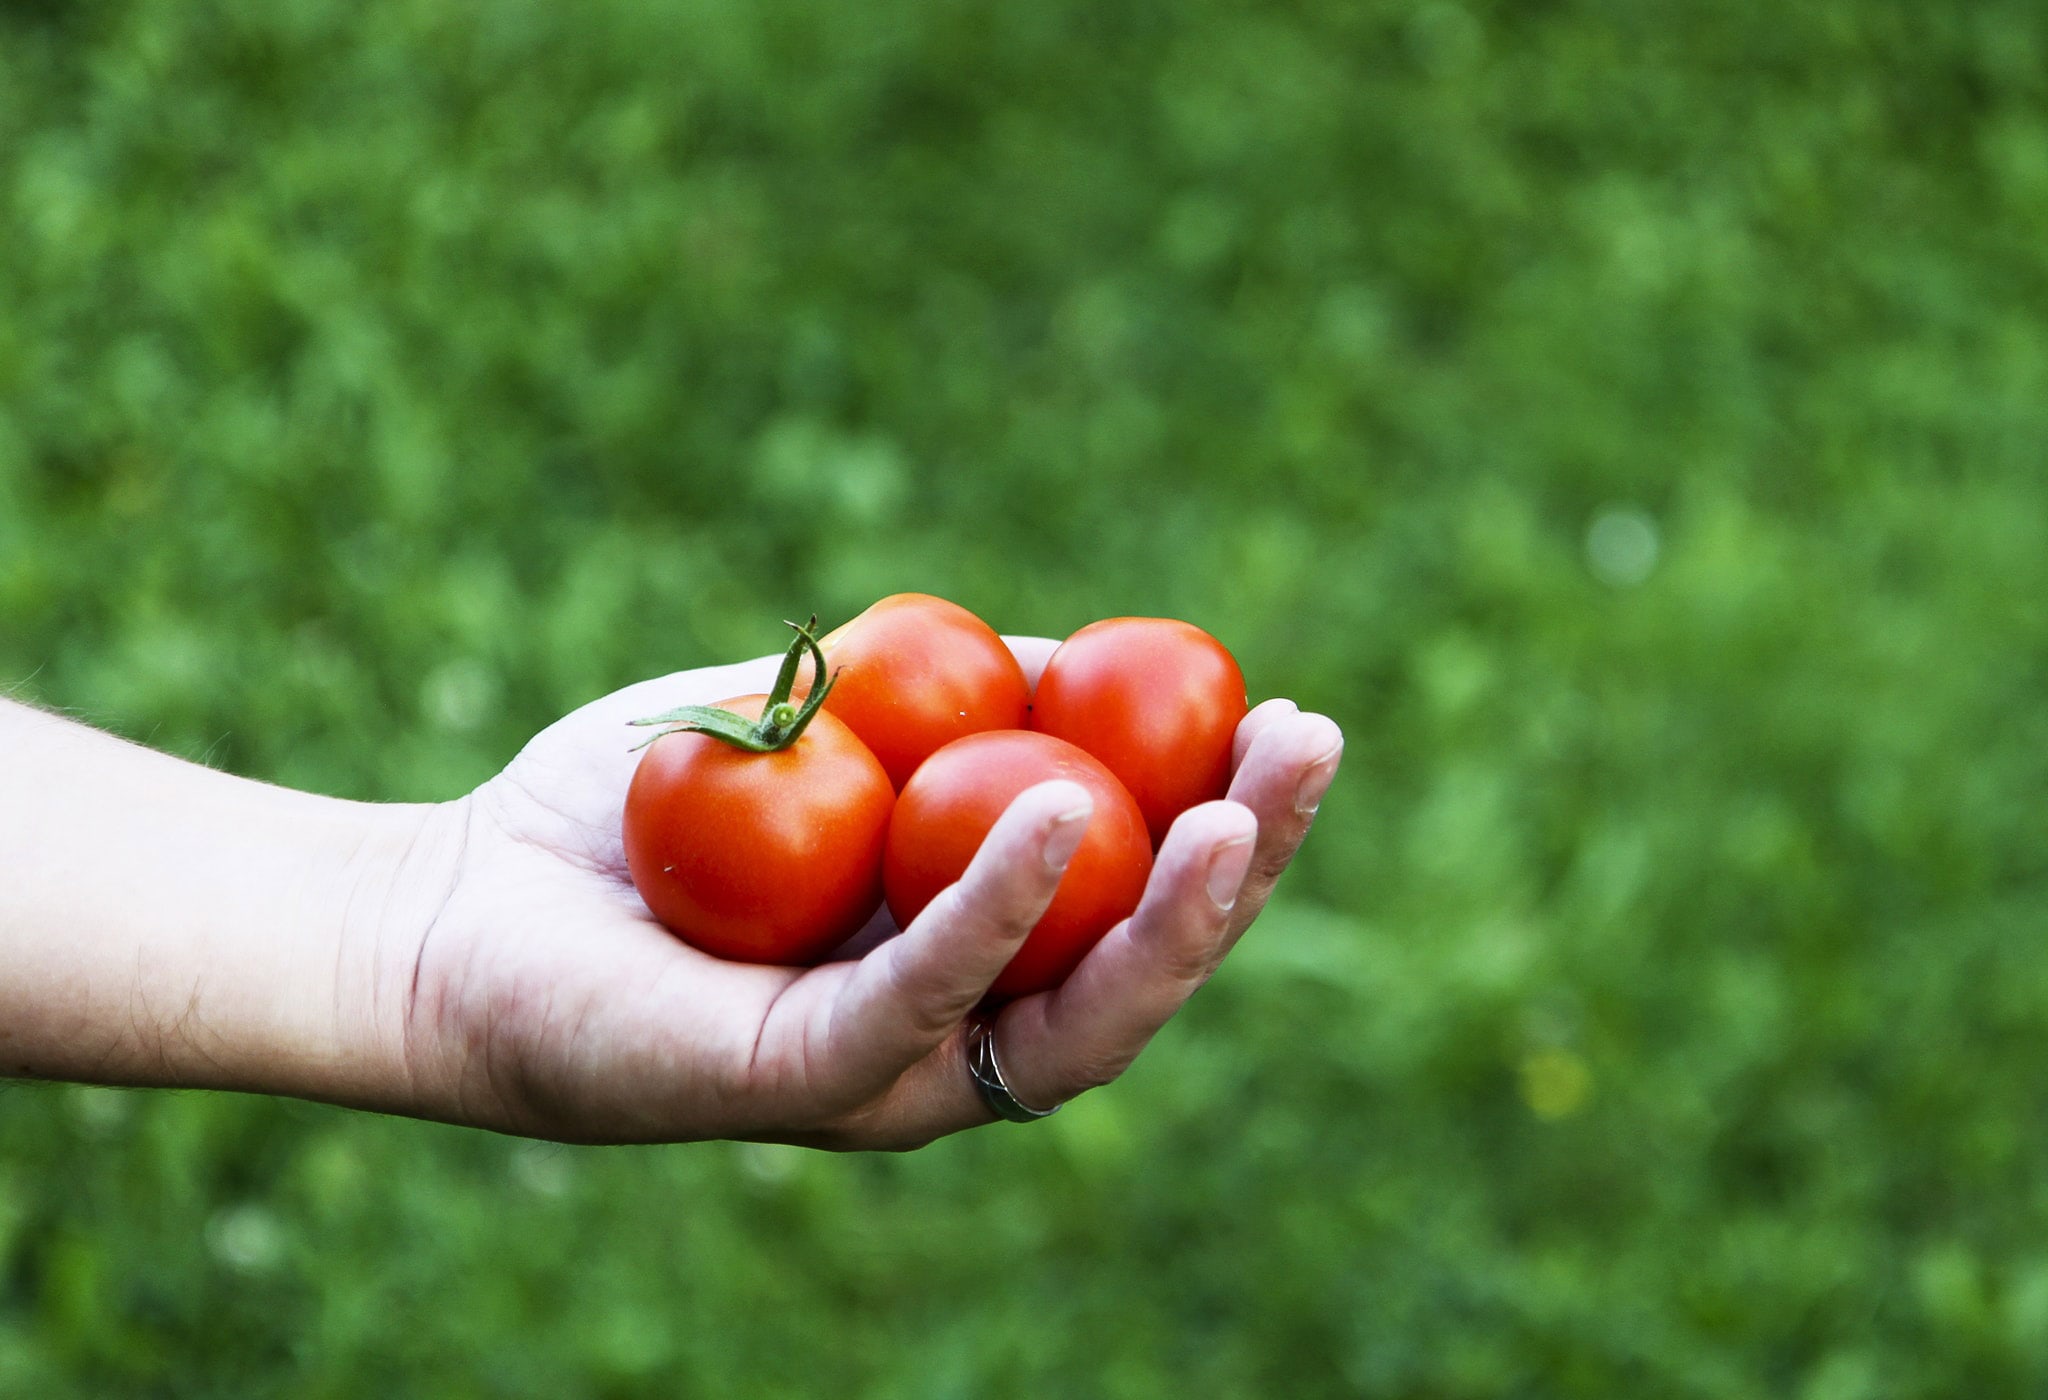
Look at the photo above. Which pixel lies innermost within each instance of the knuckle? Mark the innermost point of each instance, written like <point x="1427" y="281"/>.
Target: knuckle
<point x="1004" y="908"/>
<point x="852" y="1131"/>
<point x="868" y="1130"/>
<point x="1094" y="1073"/>
<point x="1190" y="967"/>
<point x="929" y="1009"/>
<point x="1269" y="866"/>
<point x="1185" y="960"/>
<point x="905" y="1141"/>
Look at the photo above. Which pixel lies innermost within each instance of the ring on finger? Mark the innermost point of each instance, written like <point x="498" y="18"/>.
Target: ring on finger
<point x="988" y="1075"/>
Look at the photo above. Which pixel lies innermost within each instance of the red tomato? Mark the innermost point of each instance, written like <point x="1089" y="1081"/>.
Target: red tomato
<point x="1158" y="701"/>
<point x="760" y="857"/>
<point x="949" y="806"/>
<point x="914" y="672"/>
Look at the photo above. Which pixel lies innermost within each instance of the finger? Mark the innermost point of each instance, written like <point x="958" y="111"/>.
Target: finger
<point x="1257" y="722"/>
<point x="1032" y="653"/>
<point x="1282" y="780"/>
<point x="904" y="998"/>
<point x="1087" y="1031"/>
<point x="1054" y="1045"/>
<point x="1291" y="760"/>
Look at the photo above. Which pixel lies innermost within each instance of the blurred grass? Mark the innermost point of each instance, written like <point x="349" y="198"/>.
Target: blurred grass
<point x="1629" y="421"/>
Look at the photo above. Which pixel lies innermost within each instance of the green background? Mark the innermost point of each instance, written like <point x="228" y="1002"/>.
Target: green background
<point x="1630" y="421"/>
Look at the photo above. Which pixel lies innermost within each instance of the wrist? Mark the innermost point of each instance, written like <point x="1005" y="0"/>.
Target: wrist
<point x="392" y="893"/>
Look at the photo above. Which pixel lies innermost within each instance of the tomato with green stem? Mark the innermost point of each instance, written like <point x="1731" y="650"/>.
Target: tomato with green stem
<point x="754" y="828"/>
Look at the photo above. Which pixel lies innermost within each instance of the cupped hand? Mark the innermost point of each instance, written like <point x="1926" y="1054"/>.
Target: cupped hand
<point x="542" y="998"/>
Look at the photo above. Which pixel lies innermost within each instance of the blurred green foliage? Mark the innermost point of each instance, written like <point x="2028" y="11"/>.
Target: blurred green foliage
<point x="1630" y="421"/>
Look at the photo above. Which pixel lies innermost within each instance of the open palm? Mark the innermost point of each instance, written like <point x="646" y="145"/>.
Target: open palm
<point x="545" y="999"/>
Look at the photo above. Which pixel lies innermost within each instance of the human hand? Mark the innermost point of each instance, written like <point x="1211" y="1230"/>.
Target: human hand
<point x="540" y="996"/>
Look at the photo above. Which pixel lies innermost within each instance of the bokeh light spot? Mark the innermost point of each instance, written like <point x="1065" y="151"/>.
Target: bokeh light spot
<point x="1622" y="546"/>
<point x="1556" y="1083"/>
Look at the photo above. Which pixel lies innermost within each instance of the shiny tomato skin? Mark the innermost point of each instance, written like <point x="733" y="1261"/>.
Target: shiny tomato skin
<point x="917" y="672"/>
<point x="1156" y="700"/>
<point x="951" y="802"/>
<point x="760" y="857"/>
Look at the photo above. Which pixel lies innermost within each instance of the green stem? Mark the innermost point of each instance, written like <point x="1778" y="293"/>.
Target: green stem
<point x="781" y="724"/>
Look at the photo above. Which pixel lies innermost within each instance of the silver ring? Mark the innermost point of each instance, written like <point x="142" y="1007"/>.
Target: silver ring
<point x="988" y="1075"/>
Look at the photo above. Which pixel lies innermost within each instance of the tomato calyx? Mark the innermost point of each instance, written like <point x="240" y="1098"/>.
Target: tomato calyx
<point x="781" y="724"/>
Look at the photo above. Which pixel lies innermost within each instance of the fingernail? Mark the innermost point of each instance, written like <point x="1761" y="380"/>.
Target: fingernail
<point x="1227" y="866"/>
<point x="1316" y="782"/>
<point x="1065" y="837"/>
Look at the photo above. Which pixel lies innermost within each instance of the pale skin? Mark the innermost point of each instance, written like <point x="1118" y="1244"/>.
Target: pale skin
<point x="486" y="961"/>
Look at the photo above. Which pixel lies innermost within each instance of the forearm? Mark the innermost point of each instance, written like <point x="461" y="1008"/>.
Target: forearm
<point x="165" y="924"/>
